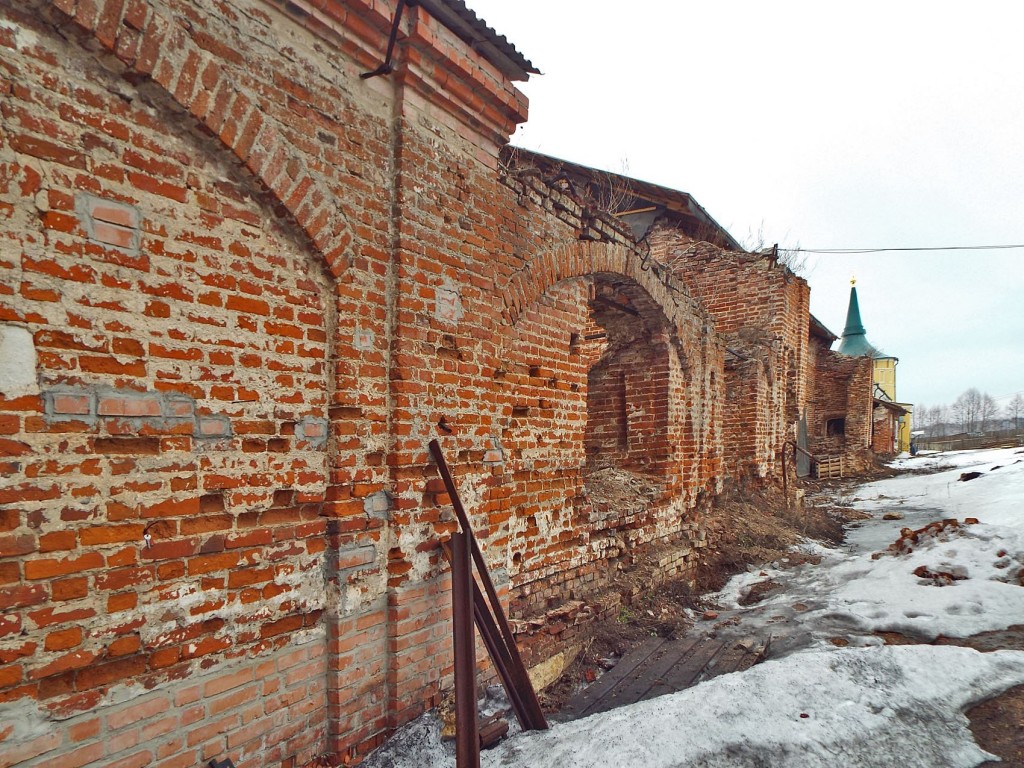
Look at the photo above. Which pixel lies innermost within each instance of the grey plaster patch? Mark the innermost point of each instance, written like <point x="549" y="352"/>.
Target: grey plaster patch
<point x="17" y="362"/>
<point x="358" y="558"/>
<point x="26" y="722"/>
<point x="499" y="576"/>
<point x="55" y="411"/>
<point x="448" y="304"/>
<point x="495" y="453"/>
<point x="110" y="223"/>
<point x="377" y="505"/>
<point x="363" y="339"/>
<point x="213" y="427"/>
<point x="177" y="406"/>
<point x="313" y="430"/>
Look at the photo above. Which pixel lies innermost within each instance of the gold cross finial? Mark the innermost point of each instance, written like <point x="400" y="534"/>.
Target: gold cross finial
<point x="853" y="281"/>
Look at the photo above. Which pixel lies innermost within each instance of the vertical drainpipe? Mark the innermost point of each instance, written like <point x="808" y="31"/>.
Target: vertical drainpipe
<point x="395" y="163"/>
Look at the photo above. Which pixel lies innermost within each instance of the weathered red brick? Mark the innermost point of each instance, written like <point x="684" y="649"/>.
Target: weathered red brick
<point x="47" y="568"/>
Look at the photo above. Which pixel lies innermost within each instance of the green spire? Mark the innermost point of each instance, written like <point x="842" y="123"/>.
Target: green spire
<point x="854" y="326"/>
<point x="854" y="342"/>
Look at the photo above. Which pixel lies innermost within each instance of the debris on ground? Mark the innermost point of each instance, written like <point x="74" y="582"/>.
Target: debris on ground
<point x="942" y="530"/>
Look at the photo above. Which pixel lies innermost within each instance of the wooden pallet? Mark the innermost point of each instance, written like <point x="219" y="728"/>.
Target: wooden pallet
<point x="828" y="467"/>
<point x="658" y="666"/>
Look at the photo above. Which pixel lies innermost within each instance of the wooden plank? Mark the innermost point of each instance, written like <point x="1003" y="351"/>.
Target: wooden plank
<point x="828" y="467"/>
<point x="651" y="678"/>
<point x="725" y="661"/>
<point x="684" y="675"/>
<point x="629" y="690"/>
<point x="583" y="703"/>
<point x="757" y="652"/>
<point x="657" y="667"/>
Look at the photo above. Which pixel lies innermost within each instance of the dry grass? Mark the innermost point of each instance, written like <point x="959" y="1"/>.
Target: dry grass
<point x="755" y="526"/>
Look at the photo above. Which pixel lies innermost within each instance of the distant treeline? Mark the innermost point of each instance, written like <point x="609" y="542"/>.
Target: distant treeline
<point x="973" y="413"/>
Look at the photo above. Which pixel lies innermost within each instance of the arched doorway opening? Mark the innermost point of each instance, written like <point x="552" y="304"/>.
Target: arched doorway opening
<point x="598" y="400"/>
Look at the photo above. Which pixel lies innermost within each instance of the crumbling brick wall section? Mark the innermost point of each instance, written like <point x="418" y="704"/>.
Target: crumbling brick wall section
<point x="839" y="409"/>
<point x="883" y="432"/>
<point x="242" y="289"/>
<point x="761" y="310"/>
<point x="565" y="541"/>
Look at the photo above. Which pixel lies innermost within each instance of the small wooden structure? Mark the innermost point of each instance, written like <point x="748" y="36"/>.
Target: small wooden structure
<point x="827" y="467"/>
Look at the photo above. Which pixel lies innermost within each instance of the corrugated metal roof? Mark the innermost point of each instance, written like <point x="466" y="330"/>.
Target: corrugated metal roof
<point x="473" y="31"/>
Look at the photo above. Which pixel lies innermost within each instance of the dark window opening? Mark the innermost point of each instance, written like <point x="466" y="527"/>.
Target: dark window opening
<point x="835" y="427"/>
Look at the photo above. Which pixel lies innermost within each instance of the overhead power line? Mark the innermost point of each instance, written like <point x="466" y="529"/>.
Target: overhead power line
<point x="923" y="248"/>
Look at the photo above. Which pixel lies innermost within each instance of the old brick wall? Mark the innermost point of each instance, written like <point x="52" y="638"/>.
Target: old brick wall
<point x="761" y="310"/>
<point x="566" y="427"/>
<point x="166" y="471"/>
<point x="883" y="431"/>
<point x="245" y="287"/>
<point x="840" y="387"/>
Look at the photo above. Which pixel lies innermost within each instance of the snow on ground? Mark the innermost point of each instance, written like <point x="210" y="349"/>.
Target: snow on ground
<point x="858" y="590"/>
<point x="816" y="704"/>
<point x="997" y="497"/>
<point x="853" y="707"/>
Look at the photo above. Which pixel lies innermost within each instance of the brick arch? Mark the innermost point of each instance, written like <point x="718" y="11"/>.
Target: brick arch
<point x="158" y="47"/>
<point x="572" y="411"/>
<point x="582" y="258"/>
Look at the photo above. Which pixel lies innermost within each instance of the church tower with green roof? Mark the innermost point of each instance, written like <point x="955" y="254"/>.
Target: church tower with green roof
<point x="854" y="342"/>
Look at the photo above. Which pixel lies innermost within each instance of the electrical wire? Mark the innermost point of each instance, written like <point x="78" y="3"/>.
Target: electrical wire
<point x="886" y="250"/>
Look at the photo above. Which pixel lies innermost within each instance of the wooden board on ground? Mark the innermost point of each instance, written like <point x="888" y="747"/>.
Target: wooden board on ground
<point x="582" y="703"/>
<point x="658" y="666"/>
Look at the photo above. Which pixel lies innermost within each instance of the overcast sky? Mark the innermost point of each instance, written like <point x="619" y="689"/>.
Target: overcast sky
<point x="818" y="125"/>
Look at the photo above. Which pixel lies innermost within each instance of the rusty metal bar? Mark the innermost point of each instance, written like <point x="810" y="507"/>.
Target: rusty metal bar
<point x="388" y="66"/>
<point x="495" y="647"/>
<point x="785" y="475"/>
<point x="604" y="300"/>
<point x="467" y="738"/>
<point x="803" y="451"/>
<point x="532" y="712"/>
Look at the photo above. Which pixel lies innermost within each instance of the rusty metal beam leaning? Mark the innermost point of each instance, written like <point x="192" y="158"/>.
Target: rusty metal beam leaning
<point x="495" y="646"/>
<point x="518" y="677"/>
<point x="467" y="738"/>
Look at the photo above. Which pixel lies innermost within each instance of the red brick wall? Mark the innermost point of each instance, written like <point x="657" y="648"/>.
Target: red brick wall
<point x="883" y="432"/>
<point x="761" y="311"/>
<point x="840" y="387"/>
<point x="165" y="476"/>
<point x="578" y="405"/>
<point x="248" y="287"/>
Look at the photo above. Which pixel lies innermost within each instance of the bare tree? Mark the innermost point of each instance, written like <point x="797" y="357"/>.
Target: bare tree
<point x="987" y="410"/>
<point x="793" y="258"/>
<point x="965" y="409"/>
<point x="921" y="418"/>
<point x="1015" y="411"/>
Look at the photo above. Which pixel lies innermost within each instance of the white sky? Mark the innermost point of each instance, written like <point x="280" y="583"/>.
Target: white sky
<point x="818" y="125"/>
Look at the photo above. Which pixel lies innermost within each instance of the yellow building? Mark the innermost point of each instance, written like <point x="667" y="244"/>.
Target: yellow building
<point x="855" y="343"/>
